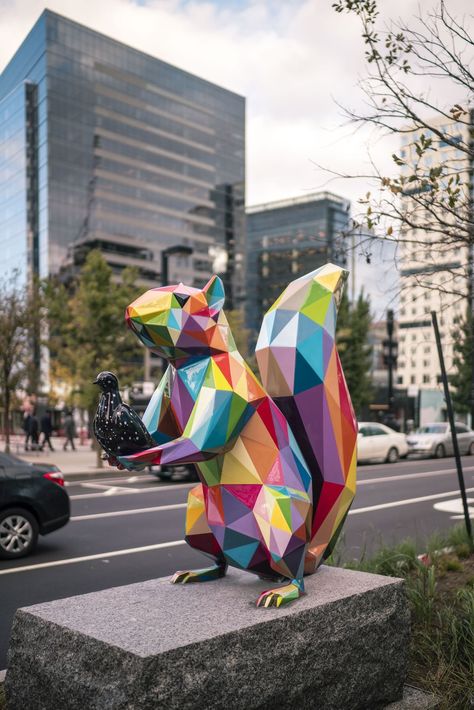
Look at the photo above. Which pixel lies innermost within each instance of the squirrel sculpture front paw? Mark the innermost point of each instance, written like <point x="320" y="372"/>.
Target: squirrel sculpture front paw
<point x="207" y="574"/>
<point x="282" y="595"/>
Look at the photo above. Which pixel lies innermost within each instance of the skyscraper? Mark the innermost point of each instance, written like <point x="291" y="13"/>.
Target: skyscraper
<point x="104" y="146"/>
<point x="289" y="238"/>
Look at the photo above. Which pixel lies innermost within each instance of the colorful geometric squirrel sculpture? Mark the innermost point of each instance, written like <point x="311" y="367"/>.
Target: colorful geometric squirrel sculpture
<point x="277" y="462"/>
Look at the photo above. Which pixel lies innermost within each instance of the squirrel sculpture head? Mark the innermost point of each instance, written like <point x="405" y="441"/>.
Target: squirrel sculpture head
<point x="181" y="322"/>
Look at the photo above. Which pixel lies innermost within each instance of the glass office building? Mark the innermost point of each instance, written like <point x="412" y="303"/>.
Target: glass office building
<point x="104" y="146"/>
<point x="287" y="239"/>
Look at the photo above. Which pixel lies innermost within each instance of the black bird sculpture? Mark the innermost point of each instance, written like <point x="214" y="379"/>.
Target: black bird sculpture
<point x="117" y="427"/>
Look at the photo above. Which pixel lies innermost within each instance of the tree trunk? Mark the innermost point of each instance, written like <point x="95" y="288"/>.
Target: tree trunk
<point x="99" y="459"/>
<point x="94" y="443"/>
<point x="7" y="421"/>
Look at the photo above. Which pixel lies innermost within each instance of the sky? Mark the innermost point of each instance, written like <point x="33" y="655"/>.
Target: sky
<point x="293" y="60"/>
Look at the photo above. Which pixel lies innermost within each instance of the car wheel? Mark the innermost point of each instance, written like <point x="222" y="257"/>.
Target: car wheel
<point x="440" y="452"/>
<point x="392" y="456"/>
<point x="18" y="533"/>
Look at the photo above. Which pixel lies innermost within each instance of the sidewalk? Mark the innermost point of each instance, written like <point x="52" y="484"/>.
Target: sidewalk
<point x="82" y="462"/>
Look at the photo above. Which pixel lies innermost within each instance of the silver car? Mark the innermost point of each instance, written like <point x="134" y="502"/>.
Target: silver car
<point x="435" y="440"/>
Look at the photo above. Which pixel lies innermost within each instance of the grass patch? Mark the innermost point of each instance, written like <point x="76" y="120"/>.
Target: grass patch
<point x="440" y="590"/>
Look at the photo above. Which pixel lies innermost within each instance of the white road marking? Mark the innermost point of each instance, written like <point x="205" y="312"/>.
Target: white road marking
<point x="107" y="488"/>
<point x="113" y="491"/>
<point x="120" y="490"/>
<point x="100" y="556"/>
<point x="116" y="479"/>
<point x="373" y="468"/>
<point x="407" y="476"/>
<point x="407" y="501"/>
<point x="134" y="491"/>
<point x="455" y="506"/>
<point x="134" y="511"/>
<point x="175" y="543"/>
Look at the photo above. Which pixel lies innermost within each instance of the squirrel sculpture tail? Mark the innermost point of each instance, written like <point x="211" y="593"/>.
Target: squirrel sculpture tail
<point x="301" y="371"/>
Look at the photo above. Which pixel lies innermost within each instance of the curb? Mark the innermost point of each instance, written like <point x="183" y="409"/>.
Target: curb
<point x="97" y="473"/>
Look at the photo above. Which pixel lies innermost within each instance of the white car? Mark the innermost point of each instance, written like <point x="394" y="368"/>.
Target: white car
<point x="377" y="442"/>
<point x="435" y="440"/>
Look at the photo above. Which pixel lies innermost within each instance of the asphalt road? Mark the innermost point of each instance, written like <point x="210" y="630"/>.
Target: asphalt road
<point x="128" y="529"/>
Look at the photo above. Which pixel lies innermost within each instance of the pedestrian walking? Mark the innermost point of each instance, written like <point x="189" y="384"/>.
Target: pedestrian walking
<point x="46" y="430"/>
<point x="27" y="429"/>
<point x="34" y="432"/>
<point x="69" y="431"/>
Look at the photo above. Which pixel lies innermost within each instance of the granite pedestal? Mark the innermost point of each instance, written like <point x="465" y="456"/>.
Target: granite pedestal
<point x="153" y="645"/>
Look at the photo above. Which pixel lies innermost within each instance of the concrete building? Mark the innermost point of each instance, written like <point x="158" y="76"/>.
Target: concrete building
<point x="433" y="267"/>
<point x="372" y="263"/>
<point x="289" y="238"/>
<point x="104" y="146"/>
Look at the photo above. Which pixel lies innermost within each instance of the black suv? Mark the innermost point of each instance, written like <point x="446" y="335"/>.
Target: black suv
<point x="33" y="501"/>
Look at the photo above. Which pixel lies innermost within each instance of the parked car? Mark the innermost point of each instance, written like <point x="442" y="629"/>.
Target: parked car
<point x="33" y="501"/>
<point x="180" y="472"/>
<point x="435" y="440"/>
<point x="377" y="442"/>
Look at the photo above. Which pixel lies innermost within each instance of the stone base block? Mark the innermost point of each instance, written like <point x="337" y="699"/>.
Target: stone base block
<point x="415" y="699"/>
<point x="344" y="645"/>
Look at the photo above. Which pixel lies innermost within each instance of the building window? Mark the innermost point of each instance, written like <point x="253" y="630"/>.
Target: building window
<point x="412" y="380"/>
<point x="426" y="379"/>
<point x="426" y="363"/>
<point x="400" y="380"/>
<point x="427" y="349"/>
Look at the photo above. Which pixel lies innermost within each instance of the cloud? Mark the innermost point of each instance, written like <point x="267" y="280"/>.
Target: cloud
<point x="291" y="60"/>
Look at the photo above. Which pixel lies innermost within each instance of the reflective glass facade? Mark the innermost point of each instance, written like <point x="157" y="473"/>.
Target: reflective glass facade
<point x="140" y="155"/>
<point x="288" y="239"/>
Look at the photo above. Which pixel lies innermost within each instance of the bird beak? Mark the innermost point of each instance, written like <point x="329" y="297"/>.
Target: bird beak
<point x="95" y="382"/>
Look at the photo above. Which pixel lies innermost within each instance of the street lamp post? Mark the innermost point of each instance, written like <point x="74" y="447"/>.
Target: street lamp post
<point x="390" y="359"/>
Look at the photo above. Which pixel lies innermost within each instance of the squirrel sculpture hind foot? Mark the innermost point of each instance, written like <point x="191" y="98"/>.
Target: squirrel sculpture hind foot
<point x="206" y="574"/>
<point x="282" y="595"/>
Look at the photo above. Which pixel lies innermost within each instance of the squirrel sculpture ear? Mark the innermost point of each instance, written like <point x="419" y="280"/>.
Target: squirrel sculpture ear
<point x="214" y="292"/>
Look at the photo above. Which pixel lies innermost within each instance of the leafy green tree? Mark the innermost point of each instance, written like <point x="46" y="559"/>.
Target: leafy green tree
<point x="87" y="333"/>
<point x="461" y="379"/>
<point x="352" y="337"/>
<point x="15" y="351"/>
